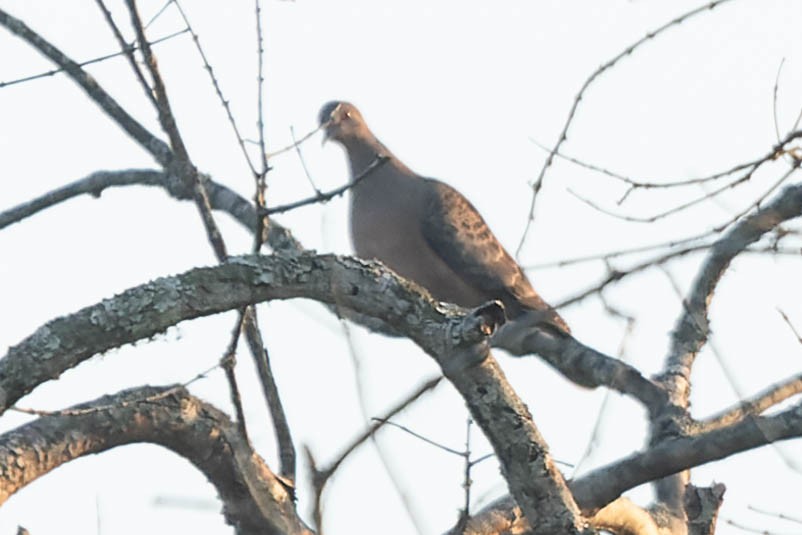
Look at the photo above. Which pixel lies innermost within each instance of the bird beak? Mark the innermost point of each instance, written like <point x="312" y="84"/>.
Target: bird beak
<point x="325" y="126"/>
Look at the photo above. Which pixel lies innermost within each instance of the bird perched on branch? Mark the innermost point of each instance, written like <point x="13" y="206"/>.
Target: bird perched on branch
<point x="425" y="230"/>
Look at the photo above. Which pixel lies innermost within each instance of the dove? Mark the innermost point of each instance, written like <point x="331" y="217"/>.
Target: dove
<point x="425" y="230"/>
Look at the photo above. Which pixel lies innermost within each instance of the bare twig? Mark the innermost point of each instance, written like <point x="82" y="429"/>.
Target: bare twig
<point x="798" y="119"/>
<point x="621" y="252"/>
<point x="297" y="146"/>
<point x="790" y="325"/>
<point x="228" y="363"/>
<point x="217" y="89"/>
<point x="465" y="512"/>
<point x="220" y="198"/>
<point x="693" y="202"/>
<point x="773" y="250"/>
<point x="156" y="147"/>
<point x="128" y="51"/>
<point x="756" y="404"/>
<point x="324" y="197"/>
<point x="748" y="529"/>
<point x="363" y="407"/>
<point x="182" y="165"/>
<point x="650" y="184"/>
<point x="781" y="516"/>
<point x="247" y="319"/>
<point x="538" y="183"/>
<point x="260" y="83"/>
<point x="420" y="437"/>
<point x="98" y="59"/>
<point x="123" y="403"/>
<point x="259" y="176"/>
<point x="281" y="426"/>
<point x="93" y="184"/>
<point x="162" y="103"/>
<point x="671" y="211"/>
<point x="294" y="144"/>
<point x="379" y="422"/>
<point x="186" y="170"/>
<point x="616" y="275"/>
<point x="158" y="14"/>
<point x="620" y="314"/>
<point x="774" y="99"/>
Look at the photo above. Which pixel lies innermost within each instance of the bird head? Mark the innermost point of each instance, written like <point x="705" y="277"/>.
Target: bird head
<point x="341" y="121"/>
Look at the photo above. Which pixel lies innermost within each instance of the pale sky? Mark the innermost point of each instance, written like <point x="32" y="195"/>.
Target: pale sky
<point x="457" y="90"/>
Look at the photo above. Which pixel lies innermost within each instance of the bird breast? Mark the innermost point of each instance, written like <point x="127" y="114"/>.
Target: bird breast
<point x="385" y="225"/>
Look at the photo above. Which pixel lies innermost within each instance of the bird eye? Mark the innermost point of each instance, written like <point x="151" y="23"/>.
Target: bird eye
<point x="348" y="114"/>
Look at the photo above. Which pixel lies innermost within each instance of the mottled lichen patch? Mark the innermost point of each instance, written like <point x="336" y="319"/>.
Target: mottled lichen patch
<point x="46" y="340"/>
<point x="171" y="292"/>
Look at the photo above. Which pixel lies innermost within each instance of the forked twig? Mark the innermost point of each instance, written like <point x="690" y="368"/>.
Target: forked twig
<point x="538" y="183"/>
<point x="327" y="196"/>
<point x="321" y="476"/>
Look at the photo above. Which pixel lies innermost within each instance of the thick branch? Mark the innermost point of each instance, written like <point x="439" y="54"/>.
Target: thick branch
<point x="693" y="326"/>
<point x="607" y="483"/>
<point x="220" y="197"/>
<point x="255" y="501"/>
<point x="533" y="479"/>
<point x="577" y="362"/>
<point x="457" y="341"/>
<point x="622" y="517"/>
<point x="586" y="366"/>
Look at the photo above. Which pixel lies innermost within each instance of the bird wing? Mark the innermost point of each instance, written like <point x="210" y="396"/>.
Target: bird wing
<point x="458" y="234"/>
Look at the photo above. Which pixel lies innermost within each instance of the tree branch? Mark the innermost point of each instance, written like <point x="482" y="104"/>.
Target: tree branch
<point x="281" y="427"/>
<point x="586" y="366"/>
<point x="321" y="197"/>
<point x="255" y="501"/>
<point x="321" y="476"/>
<point x="621" y="516"/>
<point x="533" y="479"/>
<point x="671" y="456"/>
<point x="691" y="330"/>
<point x="155" y="146"/>
<point x="458" y="341"/>
<point x="756" y="405"/>
<point x="220" y="198"/>
<point x="702" y="505"/>
<point x="609" y="64"/>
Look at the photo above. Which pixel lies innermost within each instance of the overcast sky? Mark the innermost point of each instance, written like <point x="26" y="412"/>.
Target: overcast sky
<point x="459" y="91"/>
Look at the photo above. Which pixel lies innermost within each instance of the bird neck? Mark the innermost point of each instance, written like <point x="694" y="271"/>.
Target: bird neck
<point x="362" y="152"/>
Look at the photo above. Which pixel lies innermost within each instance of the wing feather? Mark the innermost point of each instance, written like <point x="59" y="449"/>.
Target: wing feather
<point x="459" y="235"/>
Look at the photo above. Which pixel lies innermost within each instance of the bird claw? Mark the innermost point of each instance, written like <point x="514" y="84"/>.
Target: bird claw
<point x="493" y="316"/>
